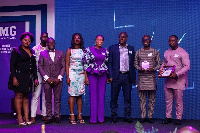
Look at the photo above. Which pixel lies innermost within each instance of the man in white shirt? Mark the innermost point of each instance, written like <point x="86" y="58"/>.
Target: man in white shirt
<point x="36" y="95"/>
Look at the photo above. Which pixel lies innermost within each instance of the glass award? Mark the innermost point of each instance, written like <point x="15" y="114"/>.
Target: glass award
<point x="145" y="65"/>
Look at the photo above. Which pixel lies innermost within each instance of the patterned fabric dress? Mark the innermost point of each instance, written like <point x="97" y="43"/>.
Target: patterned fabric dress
<point x="95" y="60"/>
<point x="76" y="73"/>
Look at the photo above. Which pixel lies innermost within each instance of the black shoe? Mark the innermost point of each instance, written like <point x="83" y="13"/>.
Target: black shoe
<point x="48" y="121"/>
<point x="143" y="120"/>
<point x="178" y="122"/>
<point x="57" y="120"/>
<point x="114" y="120"/>
<point x="129" y="120"/>
<point x="44" y="118"/>
<point x="150" y="120"/>
<point x="167" y="120"/>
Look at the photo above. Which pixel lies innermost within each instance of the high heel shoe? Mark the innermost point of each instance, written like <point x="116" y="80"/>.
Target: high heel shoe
<point x="80" y="119"/>
<point x="22" y="124"/>
<point x="72" y="120"/>
<point x="27" y="122"/>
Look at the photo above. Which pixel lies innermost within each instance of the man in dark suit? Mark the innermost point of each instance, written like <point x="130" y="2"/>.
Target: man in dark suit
<point x="51" y="66"/>
<point x="121" y="74"/>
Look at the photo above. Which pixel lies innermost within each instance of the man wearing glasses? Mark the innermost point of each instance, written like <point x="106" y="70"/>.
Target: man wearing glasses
<point x="147" y="61"/>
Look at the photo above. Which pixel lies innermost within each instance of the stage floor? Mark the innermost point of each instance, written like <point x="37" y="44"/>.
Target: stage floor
<point x="8" y="124"/>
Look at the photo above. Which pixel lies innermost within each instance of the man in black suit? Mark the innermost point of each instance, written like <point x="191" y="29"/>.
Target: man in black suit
<point x="121" y="74"/>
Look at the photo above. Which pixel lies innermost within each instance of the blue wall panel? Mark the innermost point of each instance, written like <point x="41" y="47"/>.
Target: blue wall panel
<point x="163" y="17"/>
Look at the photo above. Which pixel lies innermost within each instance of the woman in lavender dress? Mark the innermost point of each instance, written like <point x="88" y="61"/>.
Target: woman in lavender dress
<point x="94" y="60"/>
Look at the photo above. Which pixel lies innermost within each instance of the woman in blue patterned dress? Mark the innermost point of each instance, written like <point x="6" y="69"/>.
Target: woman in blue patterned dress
<point x="75" y="76"/>
<point x="95" y="59"/>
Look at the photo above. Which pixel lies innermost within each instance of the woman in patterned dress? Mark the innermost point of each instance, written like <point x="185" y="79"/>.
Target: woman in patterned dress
<point x="95" y="59"/>
<point x="75" y="76"/>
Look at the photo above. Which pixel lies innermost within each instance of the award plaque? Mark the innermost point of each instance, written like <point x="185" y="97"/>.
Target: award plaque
<point x="145" y="65"/>
<point x="166" y="71"/>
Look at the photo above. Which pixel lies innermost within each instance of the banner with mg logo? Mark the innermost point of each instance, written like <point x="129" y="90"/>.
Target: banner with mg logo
<point x="10" y="33"/>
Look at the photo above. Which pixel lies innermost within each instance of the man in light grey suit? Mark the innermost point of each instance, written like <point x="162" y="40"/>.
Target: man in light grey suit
<point x="51" y="66"/>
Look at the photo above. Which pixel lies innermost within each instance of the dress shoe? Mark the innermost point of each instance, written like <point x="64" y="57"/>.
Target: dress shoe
<point x="143" y="120"/>
<point x="150" y="120"/>
<point x="114" y="120"/>
<point x="178" y="122"/>
<point x="167" y="120"/>
<point x="92" y="123"/>
<point x="33" y="120"/>
<point x="44" y="118"/>
<point x="129" y="120"/>
<point x="57" y="120"/>
<point x="48" y="121"/>
<point x="101" y="122"/>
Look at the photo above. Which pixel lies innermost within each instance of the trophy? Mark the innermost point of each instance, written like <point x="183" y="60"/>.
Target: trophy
<point x="145" y="65"/>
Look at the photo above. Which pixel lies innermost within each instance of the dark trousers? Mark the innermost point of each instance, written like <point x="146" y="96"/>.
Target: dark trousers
<point x="123" y="81"/>
<point x="57" y="99"/>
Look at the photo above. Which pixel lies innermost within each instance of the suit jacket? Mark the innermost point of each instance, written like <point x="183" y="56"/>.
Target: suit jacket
<point x="22" y="66"/>
<point x="114" y="62"/>
<point x="52" y="69"/>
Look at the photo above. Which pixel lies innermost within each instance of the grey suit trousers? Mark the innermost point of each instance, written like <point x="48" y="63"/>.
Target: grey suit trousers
<point x="57" y="99"/>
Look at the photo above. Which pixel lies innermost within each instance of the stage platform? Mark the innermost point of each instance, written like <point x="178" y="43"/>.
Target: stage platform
<point x="8" y="124"/>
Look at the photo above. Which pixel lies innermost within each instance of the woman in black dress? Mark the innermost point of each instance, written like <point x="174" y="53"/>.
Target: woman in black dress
<point x="23" y="72"/>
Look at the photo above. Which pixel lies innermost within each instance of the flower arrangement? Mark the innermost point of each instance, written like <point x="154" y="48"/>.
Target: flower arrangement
<point x="140" y="129"/>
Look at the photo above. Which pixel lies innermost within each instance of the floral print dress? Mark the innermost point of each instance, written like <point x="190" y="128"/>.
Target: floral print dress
<point x="76" y="73"/>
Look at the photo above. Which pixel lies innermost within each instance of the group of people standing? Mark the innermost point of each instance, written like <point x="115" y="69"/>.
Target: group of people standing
<point x="95" y="66"/>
